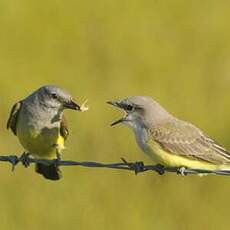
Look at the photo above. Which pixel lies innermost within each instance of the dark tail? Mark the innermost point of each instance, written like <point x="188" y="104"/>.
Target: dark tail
<point x="51" y="172"/>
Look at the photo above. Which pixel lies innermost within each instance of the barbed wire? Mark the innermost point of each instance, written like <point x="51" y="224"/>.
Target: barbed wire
<point x="137" y="167"/>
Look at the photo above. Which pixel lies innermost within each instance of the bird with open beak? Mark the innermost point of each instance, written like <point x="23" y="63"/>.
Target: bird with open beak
<point x="168" y="140"/>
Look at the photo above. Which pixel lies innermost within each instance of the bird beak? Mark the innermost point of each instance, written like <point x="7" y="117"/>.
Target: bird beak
<point x="115" y="103"/>
<point x="118" y="105"/>
<point x="118" y="121"/>
<point x="72" y="105"/>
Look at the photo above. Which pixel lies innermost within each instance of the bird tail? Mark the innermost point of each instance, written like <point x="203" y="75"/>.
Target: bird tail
<point x="51" y="172"/>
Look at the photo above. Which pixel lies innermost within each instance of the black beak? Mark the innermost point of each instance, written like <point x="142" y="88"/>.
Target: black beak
<point x="72" y="105"/>
<point x="118" y="122"/>
<point x="111" y="103"/>
<point x="116" y="104"/>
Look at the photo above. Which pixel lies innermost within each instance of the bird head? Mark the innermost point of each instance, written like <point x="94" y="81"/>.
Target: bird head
<point x="139" y="110"/>
<point x="55" y="97"/>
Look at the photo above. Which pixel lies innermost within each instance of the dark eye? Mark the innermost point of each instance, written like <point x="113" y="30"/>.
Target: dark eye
<point x="54" y="96"/>
<point x="129" y="107"/>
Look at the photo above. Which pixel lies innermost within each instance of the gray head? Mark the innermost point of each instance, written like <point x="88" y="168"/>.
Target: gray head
<point x="140" y="110"/>
<point x="54" y="97"/>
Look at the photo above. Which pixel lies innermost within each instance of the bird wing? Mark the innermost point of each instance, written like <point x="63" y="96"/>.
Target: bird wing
<point x="13" y="118"/>
<point x="184" y="139"/>
<point x="64" y="128"/>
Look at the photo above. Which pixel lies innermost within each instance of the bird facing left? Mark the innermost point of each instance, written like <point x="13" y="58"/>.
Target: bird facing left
<point x="39" y="123"/>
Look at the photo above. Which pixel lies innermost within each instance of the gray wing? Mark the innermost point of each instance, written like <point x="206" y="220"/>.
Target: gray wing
<point x="63" y="128"/>
<point x="12" y="121"/>
<point x="184" y="139"/>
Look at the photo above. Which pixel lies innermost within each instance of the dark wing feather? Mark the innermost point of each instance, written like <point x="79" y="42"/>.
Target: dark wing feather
<point x="184" y="139"/>
<point x="12" y="121"/>
<point x="63" y="128"/>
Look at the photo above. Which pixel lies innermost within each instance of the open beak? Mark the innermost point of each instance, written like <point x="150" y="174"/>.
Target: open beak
<point x="72" y="105"/>
<point x="118" y="105"/>
<point x="118" y="121"/>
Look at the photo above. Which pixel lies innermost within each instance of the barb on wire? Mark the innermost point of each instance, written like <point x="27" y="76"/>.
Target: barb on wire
<point x="137" y="167"/>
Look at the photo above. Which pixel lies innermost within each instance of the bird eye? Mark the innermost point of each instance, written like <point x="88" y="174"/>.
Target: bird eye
<point x="129" y="107"/>
<point x="54" y="96"/>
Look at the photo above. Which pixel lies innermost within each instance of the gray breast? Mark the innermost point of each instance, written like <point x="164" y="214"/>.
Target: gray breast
<point x="38" y="117"/>
<point x="142" y="138"/>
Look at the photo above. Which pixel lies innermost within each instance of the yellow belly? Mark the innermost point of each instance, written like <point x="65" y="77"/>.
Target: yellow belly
<point x="160" y="156"/>
<point x="44" y="144"/>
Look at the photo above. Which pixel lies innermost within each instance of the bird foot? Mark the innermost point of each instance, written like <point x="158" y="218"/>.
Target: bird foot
<point x="24" y="158"/>
<point x="58" y="159"/>
<point x="57" y="162"/>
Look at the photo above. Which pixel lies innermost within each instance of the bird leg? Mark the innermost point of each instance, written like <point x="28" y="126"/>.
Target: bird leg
<point x="58" y="158"/>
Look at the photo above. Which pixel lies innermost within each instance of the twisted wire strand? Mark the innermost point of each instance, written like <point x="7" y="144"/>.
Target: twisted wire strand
<point x="137" y="167"/>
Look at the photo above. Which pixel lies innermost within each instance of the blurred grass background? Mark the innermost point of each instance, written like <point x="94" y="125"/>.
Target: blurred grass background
<point x="175" y="51"/>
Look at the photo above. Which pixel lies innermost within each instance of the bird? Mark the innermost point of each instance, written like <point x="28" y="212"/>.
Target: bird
<point x="167" y="140"/>
<point x="40" y="125"/>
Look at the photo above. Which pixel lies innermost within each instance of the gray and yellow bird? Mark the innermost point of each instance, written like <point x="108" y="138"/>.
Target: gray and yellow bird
<point x="39" y="123"/>
<point x="168" y="140"/>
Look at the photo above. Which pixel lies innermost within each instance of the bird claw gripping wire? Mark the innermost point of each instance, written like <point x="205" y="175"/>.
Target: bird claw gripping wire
<point x="137" y="167"/>
<point x="57" y="161"/>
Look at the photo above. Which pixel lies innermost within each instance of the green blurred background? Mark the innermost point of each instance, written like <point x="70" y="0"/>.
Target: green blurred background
<point x="175" y="51"/>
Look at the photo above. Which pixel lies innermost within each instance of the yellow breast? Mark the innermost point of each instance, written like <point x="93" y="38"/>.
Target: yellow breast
<point x="42" y="144"/>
